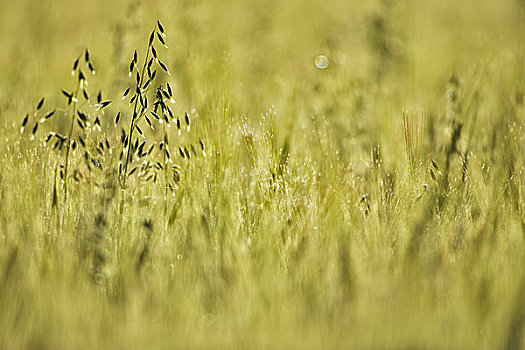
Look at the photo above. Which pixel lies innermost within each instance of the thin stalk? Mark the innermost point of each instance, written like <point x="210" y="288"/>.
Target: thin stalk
<point x="135" y="117"/>
<point x="165" y="183"/>
<point x="70" y="134"/>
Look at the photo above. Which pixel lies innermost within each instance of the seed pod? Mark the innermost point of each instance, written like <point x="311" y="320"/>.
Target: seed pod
<point x="40" y="104"/>
<point x="24" y="121"/>
<point x="141" y="146"/>
<point x="162" y="41"/>
<point x="432" y="174"/>
<point x="151" y="37"/>
<point x="140" y="131"/>
<point x="150" y="149"/>
<point x="50" y="114"/>
<point x="49" y="136"/>
<point x="131" y="65"/>
<point x="96" y="123"/>
<point x="75" y="66"/>
<point x="161" y="28"/>
<point x="146" y="84"/>
<point x="170" y="112"/>
<point x="92" y="68"/>
<point x="163" y="66"/>
<point x="67" y="94"/>
<point x="149" y="122"/>
<point x="187" y="119"/>
<point x="82" y="116"/>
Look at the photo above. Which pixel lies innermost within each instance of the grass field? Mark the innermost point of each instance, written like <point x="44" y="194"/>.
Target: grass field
<point x="377" y="203"/>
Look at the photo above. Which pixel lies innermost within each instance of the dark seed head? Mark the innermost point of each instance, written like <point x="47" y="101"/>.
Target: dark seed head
<point x="75" y="64"/>
<point x="50" y="114"/>
<point x="50" y="136"/>
<point x="40" y="104"/>
<point x="163" y="66"/>
<point x="161" y="28"/>
<point x="161" y="39"/>
<point x="147" y="224"/>
<point x="91" y="68"/>
<point x="151" y="37"/>
<point x="67" y="94"/>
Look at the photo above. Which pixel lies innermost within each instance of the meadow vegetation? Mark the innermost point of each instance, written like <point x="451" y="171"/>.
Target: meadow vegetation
<point x="210" y="187"/>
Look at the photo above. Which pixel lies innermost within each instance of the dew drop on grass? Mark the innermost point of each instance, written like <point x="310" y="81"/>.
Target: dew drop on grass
<point x="321" y="62"/>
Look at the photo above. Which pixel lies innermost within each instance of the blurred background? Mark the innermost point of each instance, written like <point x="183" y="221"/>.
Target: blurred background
<point x="445" y="62"/>
<point x="261" y="55"/>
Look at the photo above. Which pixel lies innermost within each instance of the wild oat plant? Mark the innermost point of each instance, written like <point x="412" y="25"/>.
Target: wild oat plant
<point x="144" y="150"/>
